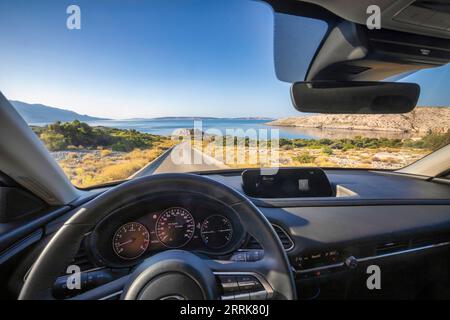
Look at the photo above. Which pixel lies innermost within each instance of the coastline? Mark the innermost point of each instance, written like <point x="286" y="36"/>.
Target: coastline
<point x="418" y="123"/>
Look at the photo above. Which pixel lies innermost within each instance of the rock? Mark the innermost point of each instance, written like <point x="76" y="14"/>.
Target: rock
<point x="181" y="132"/>
<point x="420" y="121"/>
<point x="387" y="157"/>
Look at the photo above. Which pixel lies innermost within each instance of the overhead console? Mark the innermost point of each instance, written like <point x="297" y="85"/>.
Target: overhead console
<point x="413" y="35"/>
<point x="287" y="183"/>
<point x="426" y="14"/>
<point x="353" y="52"/>
<point x="426" y="17"/>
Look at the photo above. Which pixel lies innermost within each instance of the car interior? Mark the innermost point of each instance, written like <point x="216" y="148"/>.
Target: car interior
<point x="301" y="233"/>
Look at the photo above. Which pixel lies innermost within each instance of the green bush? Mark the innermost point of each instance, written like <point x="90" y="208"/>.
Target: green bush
<point x="60" y="136"/>
<point x="63" y="136"/>
<point x="305" y="158"/>
<point x="327" y="150"/>
<point x="431" y="141"/>
<point x="54" y="141"/>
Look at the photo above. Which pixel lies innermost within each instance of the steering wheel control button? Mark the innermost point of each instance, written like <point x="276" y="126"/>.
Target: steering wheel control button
<point x="248" y="283"/>
<point x="248" y="256"/>
<point x="254" y="255"/>
<point x="239" y="257"/>
<point x="242" y="287"/>
<point x="229" y="284"/>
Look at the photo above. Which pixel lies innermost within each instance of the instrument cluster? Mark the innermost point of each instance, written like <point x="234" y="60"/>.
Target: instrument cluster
<point x="187" y="222"/>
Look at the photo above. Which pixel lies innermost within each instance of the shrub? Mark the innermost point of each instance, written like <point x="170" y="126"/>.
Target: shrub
<point x="105" y="152"/>
<point x="432" y="141"/>
<point x="327" y="150"/>
<point x="305" y="158"/>
<point x="59" y="136"/>
<point x="54" y="141"/>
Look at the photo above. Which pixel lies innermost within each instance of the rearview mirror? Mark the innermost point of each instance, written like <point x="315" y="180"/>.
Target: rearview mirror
<point x="355" y="97"/>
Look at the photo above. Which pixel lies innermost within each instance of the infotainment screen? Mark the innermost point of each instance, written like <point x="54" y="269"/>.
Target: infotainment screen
<point x="287" y="183"/>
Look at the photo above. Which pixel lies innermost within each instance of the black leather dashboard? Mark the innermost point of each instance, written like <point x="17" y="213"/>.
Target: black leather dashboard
<point x="385" y="208"/>
<point x="383" y="213"/>
<point x="370" y="187"/>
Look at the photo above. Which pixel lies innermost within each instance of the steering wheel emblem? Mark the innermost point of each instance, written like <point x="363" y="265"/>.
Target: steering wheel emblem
<point x="173" y="297"/>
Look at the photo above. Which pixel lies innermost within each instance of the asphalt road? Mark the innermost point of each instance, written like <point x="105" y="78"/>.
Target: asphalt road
<point x="181" y="158"/>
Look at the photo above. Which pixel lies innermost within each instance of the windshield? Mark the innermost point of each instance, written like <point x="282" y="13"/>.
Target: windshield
<point x="126" y="89"/>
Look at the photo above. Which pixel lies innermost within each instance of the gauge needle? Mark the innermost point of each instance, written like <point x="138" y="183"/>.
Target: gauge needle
<point x="126" y="242"/>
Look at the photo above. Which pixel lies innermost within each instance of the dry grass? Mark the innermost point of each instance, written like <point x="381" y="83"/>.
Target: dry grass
<point x="368" y="158"/>
<point x="92" y="167"/>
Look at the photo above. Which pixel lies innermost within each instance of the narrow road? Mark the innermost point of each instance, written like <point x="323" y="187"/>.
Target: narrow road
<point x="181" y="158"/>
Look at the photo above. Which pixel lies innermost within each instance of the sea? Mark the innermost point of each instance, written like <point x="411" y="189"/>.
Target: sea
<point x="236" y="127"/>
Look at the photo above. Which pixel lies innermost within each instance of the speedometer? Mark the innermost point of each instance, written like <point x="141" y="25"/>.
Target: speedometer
<point x="175" y="227"/>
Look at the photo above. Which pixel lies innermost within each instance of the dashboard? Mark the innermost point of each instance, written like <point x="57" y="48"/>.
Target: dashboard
<point x="183" y="221"/>
<point x="398" y="222"/>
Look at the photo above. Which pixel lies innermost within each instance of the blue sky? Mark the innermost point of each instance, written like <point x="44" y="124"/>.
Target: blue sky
<point x="153" y="58"/>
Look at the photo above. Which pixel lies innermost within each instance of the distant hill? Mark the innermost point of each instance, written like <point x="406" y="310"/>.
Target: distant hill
<point x="200" y="118"/>
<point x="420" y="121"/>
<point x="38" y="113"/>
<point x="254" y="118"/>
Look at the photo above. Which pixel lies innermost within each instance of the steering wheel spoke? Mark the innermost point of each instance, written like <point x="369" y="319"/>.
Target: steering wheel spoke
<point x="110" y="290"/>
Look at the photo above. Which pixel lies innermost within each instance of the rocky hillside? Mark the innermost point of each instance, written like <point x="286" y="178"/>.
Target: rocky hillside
<point x="38" y="113"/>
<point x="420" y="121"/>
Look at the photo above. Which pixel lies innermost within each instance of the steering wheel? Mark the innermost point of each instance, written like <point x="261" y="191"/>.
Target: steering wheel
<point x="172" y="274"/>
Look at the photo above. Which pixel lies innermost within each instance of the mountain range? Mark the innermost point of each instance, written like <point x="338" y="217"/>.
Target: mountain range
<point x="202" y="118"/>
<point x="39" y="113"/>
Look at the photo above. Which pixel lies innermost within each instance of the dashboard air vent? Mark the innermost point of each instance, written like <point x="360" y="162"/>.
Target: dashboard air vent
<point x="285" y="239"/>
<point x="287" y="242"/>
<point x="82" y="260"/>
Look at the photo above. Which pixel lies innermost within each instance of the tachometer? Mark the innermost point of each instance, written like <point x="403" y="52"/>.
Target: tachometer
<point x="216" y="231"/>
<point x="131" y="240"/>
<point x="175" y="227"/>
